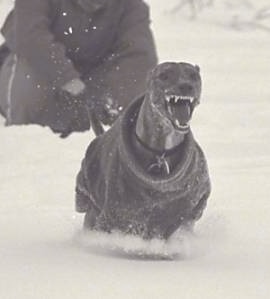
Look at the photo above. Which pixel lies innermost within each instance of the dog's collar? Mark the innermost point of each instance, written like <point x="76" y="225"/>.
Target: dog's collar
<point x="156" y="152"/>
<point x="161" y="159"/>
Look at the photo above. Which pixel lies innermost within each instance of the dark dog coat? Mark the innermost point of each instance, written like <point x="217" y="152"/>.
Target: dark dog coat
<point x="117" y="193"/>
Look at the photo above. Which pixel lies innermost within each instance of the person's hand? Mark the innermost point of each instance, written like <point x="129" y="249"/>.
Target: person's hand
<point x="74" y="87"/>
<point x="72" y="108"/>
<point x="109" y="111"/>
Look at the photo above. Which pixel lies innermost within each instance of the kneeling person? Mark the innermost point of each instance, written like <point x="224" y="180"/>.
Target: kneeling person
<point x="66" y="56"/>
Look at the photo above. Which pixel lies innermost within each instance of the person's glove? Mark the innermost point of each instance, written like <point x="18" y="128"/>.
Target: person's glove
<point x="108" y="111"/>
<point x="101" y="110"/>
<point x="74" y="87"/>
<point x="72" y="108"/>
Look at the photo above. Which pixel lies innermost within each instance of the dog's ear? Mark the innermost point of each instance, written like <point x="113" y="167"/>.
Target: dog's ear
<point x="197" y="68"/>
<point x="151" y="72"/>
<point x="149" y="75"/>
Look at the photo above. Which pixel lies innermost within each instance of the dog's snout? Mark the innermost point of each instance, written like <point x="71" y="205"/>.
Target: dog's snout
<point x="185" y="88"/>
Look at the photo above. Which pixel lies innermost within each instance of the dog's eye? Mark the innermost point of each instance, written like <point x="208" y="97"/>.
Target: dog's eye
<point x="164" y="76"/>
<point x="194" y="76"/>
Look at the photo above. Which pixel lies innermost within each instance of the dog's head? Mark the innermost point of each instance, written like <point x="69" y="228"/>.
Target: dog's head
<point x="174" y="90"/>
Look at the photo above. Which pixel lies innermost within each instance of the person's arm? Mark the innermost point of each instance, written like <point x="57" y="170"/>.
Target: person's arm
<point x="35" y="43"/>
<point x="133" y="54"/>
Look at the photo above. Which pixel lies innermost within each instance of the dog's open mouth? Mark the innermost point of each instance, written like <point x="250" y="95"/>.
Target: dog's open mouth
<point x="179" y="110"/>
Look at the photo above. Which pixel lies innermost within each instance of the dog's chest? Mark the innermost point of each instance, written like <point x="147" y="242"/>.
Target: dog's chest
<point x="157" y="164"/>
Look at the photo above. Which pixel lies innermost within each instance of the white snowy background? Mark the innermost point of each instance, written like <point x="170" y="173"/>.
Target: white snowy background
<point x="41" y="252"/>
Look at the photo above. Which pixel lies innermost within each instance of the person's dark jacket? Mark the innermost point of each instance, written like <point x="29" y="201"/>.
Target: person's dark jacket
<point x="55" y="41"/>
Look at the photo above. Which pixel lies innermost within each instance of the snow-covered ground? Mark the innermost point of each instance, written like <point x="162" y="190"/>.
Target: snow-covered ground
<point x="41" y="252"/>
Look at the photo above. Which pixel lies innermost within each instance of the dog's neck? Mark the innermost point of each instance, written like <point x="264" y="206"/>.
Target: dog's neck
<point x="154" y="130"/>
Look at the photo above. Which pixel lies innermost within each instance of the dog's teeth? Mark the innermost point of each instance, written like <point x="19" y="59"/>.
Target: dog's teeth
<point x="186" y="98"/>
<point x="175" y="99"/>
<point x="172" y="99"/>
<point x="177" y="123"/>
<point x="167" y="98"/>
<point x="170" y="109"/>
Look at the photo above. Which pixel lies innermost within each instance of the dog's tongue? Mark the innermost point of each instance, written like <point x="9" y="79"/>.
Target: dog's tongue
<point x="181" y="112"/>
